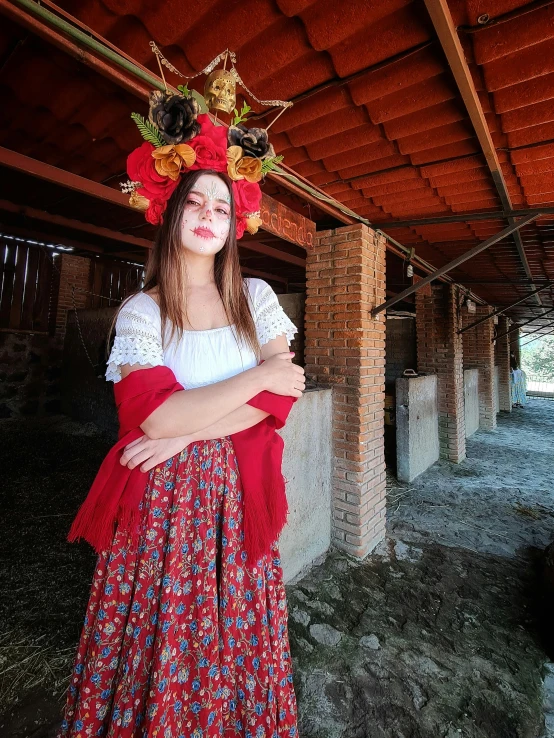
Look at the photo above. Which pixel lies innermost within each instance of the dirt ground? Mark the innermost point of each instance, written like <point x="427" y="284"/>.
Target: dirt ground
<point x="436" y="635"/>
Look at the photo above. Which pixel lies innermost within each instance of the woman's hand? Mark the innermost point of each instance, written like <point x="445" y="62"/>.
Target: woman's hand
<point x="283" y="377"/>
<point x="149" y="453"/>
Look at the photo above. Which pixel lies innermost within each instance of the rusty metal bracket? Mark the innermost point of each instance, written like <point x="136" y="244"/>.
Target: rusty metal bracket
<point x="499" y="311"/>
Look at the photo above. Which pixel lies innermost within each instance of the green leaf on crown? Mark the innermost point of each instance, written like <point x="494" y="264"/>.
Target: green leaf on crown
<point x="269" y="164"/>
<point x="184" y="90"/>
<point x="148" y="131"/>
<point x="240" y="117"/>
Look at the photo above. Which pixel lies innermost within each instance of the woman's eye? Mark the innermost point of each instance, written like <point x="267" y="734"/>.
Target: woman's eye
<point x="192" y="202"/>
<point x="222" y="211"/>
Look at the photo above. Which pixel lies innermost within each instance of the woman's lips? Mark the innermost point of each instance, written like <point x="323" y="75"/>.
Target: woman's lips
<point x="204" y="233"/>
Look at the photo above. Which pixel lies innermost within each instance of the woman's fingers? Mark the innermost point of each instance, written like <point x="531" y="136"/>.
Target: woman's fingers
<point x="139" y="458"/>
<point x="134" y="443"/>
<point x="135" y="455"/>
<point x="151" y="463"/>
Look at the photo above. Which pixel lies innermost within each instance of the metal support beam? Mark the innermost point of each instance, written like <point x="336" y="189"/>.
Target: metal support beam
<point x="499" y="311"/>
<point x="520" y="325"/>
<point x="541" y="327"/>
<point x="461" y="218"/>
<point x="548" y="333"/>
<point x="441" y="18"/>
<point x="454" y="263"/>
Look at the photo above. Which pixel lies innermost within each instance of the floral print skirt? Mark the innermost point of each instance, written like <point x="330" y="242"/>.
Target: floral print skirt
<point x="183" y="636"/>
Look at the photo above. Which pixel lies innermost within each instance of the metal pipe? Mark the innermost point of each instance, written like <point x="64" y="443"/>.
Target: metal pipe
<point x="88" y="41"/>
<point x="541" y="327"/>
<point x="498" y="311"/>
<point x="536" y="338"/>
<point x="520" y="325"/>
<point x="454" y="263"/>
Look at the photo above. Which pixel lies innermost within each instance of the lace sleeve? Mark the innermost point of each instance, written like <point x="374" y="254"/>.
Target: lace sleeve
<point x="137" y="341"/>
<point x="271" y="319"/>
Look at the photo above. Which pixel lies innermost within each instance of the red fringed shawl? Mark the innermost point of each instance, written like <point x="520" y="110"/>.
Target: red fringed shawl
<point x="117" y="491"/>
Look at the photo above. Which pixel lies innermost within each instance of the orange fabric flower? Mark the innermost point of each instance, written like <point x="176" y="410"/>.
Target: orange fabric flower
<point x="170" y="160"/>
<point x="243" y="167"/>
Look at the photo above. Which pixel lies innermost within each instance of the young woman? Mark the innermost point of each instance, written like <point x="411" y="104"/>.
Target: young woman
<point x="184" y="636"/>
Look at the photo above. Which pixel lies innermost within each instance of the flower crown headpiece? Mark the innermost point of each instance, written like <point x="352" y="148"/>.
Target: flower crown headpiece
<point x="179" y="139"/>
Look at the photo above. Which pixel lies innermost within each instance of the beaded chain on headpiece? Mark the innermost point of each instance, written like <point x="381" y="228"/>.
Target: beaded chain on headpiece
<point x="178" y="139"/>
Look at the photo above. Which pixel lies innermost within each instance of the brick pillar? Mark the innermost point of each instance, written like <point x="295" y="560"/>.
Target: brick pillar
<point x="439" y="351"/>
<point x="74" y="270"/>
<point x="503" y="359"/>
<point x="479" y="354"/>
<point x="345" y="350"/>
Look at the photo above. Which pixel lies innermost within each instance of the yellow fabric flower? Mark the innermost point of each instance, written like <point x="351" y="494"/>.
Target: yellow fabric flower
<point x="138" y="202"/>
<point x="243" y="167"/>
<point x="253" y="222"/>
<point x="170" y="160"/>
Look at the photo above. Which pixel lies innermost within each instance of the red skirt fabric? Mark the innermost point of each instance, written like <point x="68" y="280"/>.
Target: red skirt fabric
<point x="183" y="637"/>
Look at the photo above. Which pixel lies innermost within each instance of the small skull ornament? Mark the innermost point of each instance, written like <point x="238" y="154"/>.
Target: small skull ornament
<point x="219" y="91"/>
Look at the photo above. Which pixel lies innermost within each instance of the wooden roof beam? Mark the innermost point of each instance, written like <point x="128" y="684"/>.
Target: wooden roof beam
<point x="73" y="224"/>
<point x="278" y="218"/>
<point x="441" y="18"/>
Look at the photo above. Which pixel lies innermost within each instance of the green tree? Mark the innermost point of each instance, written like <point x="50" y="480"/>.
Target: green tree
<point x="537" y="359"/>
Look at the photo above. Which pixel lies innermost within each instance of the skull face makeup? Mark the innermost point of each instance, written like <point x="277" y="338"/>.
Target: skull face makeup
<point x="207" y="215"/>
<point x="219" y="91"/>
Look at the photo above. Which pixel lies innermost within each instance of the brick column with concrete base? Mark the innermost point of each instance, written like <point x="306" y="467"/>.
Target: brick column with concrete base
<point x="503" y="360"/>
<point x="439" y="351"/>
<point x="74" y="271"/>
<point x="479" y="354"/>
<point x="345" y="350"/>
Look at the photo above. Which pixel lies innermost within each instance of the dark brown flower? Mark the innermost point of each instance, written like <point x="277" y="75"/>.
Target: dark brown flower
<point x="253" y="141"/>
<point x="174" y="116"/>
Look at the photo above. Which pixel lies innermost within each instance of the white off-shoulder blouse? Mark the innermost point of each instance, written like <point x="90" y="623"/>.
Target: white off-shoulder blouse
<point x="199" y="357"/>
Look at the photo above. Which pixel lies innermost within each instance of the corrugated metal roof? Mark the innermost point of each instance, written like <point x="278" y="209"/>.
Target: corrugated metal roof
<point x="381" y="125"/>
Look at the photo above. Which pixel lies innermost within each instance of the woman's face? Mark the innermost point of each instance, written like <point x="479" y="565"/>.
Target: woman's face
<point x="207" y="215"/>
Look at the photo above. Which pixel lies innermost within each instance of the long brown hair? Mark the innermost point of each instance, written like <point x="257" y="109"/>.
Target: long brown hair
<point x="165" y="269"/>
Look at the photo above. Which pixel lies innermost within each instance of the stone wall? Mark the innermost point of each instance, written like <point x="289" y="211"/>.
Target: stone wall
<point x="86" y="395"/>
<point x="307" y="469"/>
<point x="417" y="426"/>
<point x="30" y="367"/>
<point x="471" y="401"/>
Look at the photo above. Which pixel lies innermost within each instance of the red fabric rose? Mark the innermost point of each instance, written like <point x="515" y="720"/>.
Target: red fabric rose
<point x="218" y="134"/>
<point x="141" y="168"/>
<point x="155" y="211"/>
<point x="248" y="197"/>
<point x="208" y="154"/>
<point x="240" y="225"/>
